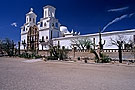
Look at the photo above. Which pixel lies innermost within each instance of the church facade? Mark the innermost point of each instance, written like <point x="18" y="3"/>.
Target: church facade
<point x="35" y="35"/>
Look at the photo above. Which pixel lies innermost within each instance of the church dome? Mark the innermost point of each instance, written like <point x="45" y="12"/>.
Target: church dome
<point x="64" y="29"/>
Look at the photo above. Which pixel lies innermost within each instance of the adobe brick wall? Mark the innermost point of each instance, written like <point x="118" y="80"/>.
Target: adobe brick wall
<point x="125" y="55"/>
<point x="81" y="55"/>
<point x="44" y="53"/>
<point x="114" y="55"/>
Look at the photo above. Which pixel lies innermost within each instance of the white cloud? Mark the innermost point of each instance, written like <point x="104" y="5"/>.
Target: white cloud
<point x="14" y="24"/>
<point x="118" y="9"/>
<point x="130" y="15"/>
<point x="118" y="19"/>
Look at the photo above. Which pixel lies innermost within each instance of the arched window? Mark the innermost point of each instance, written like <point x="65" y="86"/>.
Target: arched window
<point x="42" y="38"/>
<point x="33" y="20"/>
<point x="51" y="34"/>
<point x="41" y="24"/>
<point x="49" y="14"/>
<point x="24" y="40"/>
<point x="56" y="25"/>
<point x="27" y="19"/>
<point x="45" y="24"/>
<point x="46" y="37"/>
<point x="52" y="24"/>
<point x="24" y="29"/>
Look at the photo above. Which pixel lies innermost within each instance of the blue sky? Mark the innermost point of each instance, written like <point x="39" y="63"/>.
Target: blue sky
<point x="86" y="16"/>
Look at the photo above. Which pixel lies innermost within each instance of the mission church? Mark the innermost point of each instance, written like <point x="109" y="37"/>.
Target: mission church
<point x="49" y="29"/>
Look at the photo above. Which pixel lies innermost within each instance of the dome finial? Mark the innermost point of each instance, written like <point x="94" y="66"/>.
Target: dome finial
<point x="31" y="9"/>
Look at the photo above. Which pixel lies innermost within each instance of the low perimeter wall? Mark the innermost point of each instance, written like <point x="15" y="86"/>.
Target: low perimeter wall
<point x="113" y="55"/>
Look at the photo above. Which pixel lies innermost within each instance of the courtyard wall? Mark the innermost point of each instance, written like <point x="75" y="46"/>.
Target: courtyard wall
<point x="126" y="54"/>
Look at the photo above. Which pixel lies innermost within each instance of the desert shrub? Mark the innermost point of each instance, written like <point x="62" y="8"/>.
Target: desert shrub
<point x="56" y="52"/>
<point x="52" y="58"/>
<point x="7" y="46"/>
<point x="78" y="58"/>
<point x="104" y="58"/>
<point x="101" y="58"/>
<point x="25" y="55"/>
<point x="38" y="56"/>
<point x="29" y="56"/>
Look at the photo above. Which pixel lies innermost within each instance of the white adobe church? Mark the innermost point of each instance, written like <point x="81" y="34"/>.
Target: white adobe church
<point x="50" y="29"/>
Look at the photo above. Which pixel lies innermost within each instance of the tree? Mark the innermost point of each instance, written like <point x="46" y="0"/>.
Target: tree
<point x="82" y="43"/>
<point x="131" y="46"/>
<point x="8" y="46"/>
<point x="55" y="51"/>
<point x="118" y="41"/>
<point x="85" y="43"/>
<point x="1" y="47"/>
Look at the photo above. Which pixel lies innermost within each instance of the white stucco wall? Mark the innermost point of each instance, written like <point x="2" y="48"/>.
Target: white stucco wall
<point x="128" y="35"/>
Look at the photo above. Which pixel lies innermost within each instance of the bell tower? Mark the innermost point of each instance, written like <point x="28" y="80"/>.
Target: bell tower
<point x="31" y="17"/>
<point x="49" y="11"/>
<point x="49" y="26"/>
<point x="30" y="22"/>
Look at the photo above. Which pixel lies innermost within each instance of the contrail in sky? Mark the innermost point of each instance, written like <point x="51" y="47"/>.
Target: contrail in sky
<point x="118" y="19"/>
<point x="118" y="9"/>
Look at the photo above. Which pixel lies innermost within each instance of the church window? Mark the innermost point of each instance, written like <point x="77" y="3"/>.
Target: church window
<point x="27" y="19"/>
<point x="24" y="29"/>
<point x="44" y="24"/>
<point x="33" y="20"/>
<point x="24" y="40"/>
<point x="41" y="24"/>
<point x="49" y="14"/>
<point x="46" y="37"/>
<point x="51" y="34"/>
<point x="57" y="25"/>
<point x="30" y="19"/>
<point x="42" y="38"/>
<point x="52" y="24"/>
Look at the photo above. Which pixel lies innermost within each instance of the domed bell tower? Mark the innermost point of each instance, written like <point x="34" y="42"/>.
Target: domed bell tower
<point x="31" y="17"/>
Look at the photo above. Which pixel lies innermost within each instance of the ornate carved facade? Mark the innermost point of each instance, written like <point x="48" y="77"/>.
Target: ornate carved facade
<point x="32" y="38"/>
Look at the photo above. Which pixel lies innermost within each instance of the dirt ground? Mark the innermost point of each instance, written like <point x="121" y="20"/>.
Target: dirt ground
<point x="17" y="74"/>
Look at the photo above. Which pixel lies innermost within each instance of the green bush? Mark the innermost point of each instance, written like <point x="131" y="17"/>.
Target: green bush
<point x="105" y="58"/>
<point x="101" y="58"/>
<point x="29" y="56"/>
<point x="56" y="52"/>
<point x="38" y="56"/>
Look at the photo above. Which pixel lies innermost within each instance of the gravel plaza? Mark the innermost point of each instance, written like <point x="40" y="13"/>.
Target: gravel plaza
<point x="17" y="74"/>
